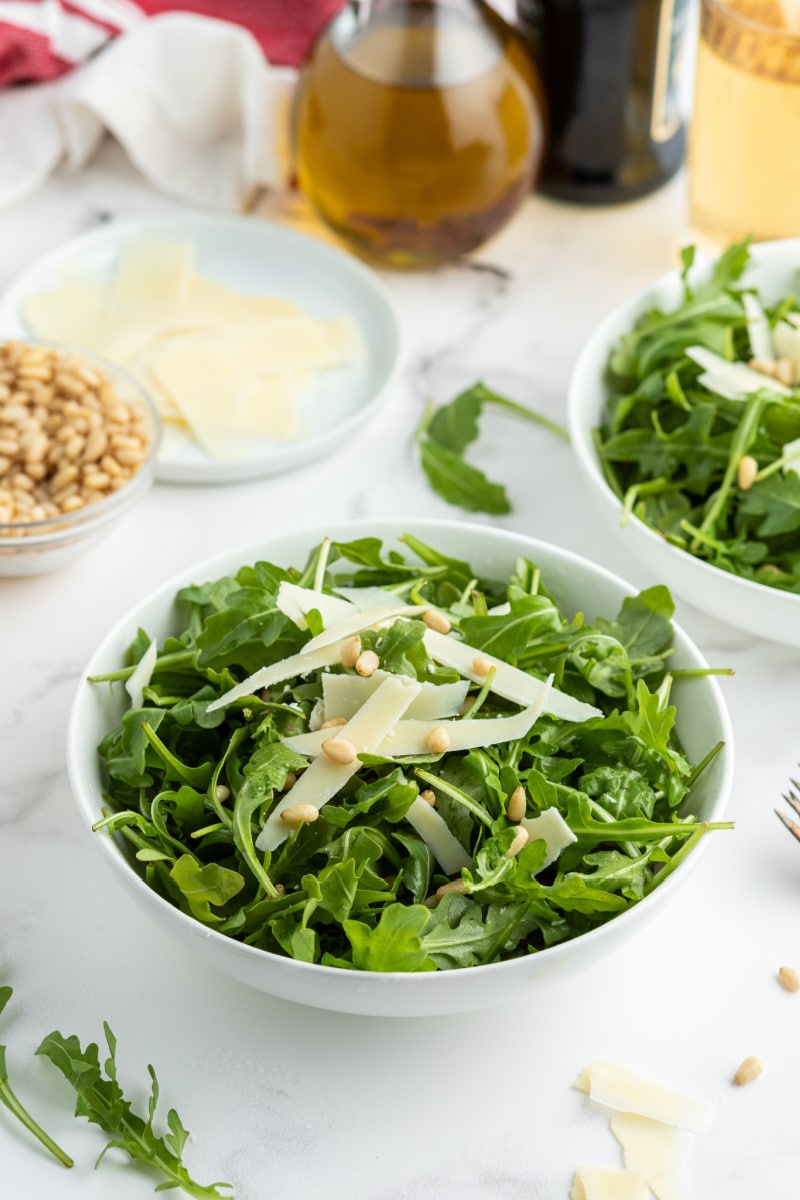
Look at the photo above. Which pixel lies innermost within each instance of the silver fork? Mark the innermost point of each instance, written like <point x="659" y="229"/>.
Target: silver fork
<point x="793" y="800"/>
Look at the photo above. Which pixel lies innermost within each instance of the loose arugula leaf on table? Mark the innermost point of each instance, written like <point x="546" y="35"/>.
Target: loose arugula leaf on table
<point x="670" y="446"/>
<point x="100" y="1098"/>
<point x="446" y="432"/>
<point x="357" y="889"/>
<point x="16" y="1108"/>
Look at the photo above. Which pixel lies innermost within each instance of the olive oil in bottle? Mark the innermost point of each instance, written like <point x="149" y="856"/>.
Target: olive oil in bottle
<point x="418" y="128"/>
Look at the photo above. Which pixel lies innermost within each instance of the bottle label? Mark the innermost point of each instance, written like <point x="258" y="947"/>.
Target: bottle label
<point x="666" y="115"/>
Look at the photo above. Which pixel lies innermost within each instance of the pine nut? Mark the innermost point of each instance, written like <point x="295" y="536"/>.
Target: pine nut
<point x="784" y="371"/>
<point x="481" y="666"/>
<point x="436" y="621"/>
<point x="748" y="1070"/>
<point x="517" y="805"/>
<point x="96" y="444"/>
<point x="350" y="651"/>
<point x="296" y="815"/>
<point x="9" y="446"/>
<point x="367" y="663"/>
<point x="790" y="979"/>
<point x="455" y="885"/>
<point x="429" y="796"/>
<point x="110" y="465"/>
<point x="291" y="780"/>
<point x="520" y="839"/>
<point x="74" y="447"/>
<point x="222" y="793"/>
<point x="71" y="503"/>
<point x="333" y="723"/>
<point x="746" y="472"/>
<point x="438" y="740"/>
<point x="340" y="751"/>
<point x="280" y="889"/>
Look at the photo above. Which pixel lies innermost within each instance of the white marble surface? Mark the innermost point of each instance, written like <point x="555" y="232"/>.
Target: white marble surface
<point x="291" y="1102"/>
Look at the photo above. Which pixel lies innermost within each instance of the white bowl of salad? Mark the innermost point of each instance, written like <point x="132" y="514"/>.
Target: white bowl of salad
<point x="388" y="767"/>
<point x="684" y="412"/>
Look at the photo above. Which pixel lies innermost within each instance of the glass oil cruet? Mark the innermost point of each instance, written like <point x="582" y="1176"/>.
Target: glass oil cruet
<point x="418" y="127"/>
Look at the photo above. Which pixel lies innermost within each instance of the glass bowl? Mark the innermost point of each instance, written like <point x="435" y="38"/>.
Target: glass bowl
<point x="40" y="545"/>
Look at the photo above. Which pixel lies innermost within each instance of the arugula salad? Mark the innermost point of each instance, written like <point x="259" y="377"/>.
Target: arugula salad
<point x="700" y="438"/>
<point x="384" y="762"/>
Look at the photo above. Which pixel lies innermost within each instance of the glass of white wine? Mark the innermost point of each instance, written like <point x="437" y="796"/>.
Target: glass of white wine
<point x="744" y="165"/>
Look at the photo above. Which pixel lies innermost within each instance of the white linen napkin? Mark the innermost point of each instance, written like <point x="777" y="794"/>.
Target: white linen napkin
<point x="197" y="107"/>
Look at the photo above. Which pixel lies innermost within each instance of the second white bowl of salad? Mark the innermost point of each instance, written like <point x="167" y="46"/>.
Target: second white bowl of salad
<point x="684" y="413"/>
<point x="400" y="769"/>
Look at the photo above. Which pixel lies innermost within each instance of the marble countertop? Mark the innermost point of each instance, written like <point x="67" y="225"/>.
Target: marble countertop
<point x="286" y="1101"/>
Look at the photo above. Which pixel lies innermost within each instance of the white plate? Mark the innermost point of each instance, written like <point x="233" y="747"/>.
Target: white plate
<point x="255" y="256"/>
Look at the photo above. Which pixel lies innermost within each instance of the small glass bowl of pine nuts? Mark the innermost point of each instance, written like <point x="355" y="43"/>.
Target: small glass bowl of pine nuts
<point x="78" y="446"/>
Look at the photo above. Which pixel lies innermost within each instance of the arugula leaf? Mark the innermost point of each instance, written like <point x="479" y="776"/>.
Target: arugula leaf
<point x="101" y="1100"/>
<point x="15" y="1107"/>
<point x="445" y="433"/>
<point x="394" y="944"/>
<point x="203" y="886"/>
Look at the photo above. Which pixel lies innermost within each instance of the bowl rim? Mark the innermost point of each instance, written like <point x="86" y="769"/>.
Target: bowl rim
<point x="581" y="422"/>
<point x="386" y="528"/>
<point x="50" y="531"/>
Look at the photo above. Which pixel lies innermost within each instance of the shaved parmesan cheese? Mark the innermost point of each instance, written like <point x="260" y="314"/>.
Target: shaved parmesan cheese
<point x="786" y="339"/>
<point x="509" y="682"/>
<point x="737" y="375"/>
<point x="619" y="1088"/>
<point x="324" y="779"/>
<point x="150" y="273"/>
<point x="607" y="1183"/>
<point x="142" y="675"/>
<point x="410" y="737"/>
<point x="287" y="668"/>
<point x="758" y="329"/>
<point x="290" y="344"/>
<point x="294" y="602"/>
<point x="434" y="831"/>
<point x="720" y="386"/>
<point x="551" y="827"/>
<point x="368" y="597"/>
<point x="650" y="1147"/>
<point x="359" y="621"/>
<point x="343" y="695"/>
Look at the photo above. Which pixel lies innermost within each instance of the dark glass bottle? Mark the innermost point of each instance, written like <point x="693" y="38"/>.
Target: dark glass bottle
<point x="611" y="73"/>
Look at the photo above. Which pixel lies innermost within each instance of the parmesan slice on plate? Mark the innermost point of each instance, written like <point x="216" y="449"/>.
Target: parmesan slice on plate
<point x="289" y="344"/>
<point x="509" y="682"/>
<point x="550" y="827"/>
<point x="324" y="779"/>
<point x="607" y="1183"/>
<point x="617" y="1087"/>
<point x="435" y="832"/>
<point x="151" y="274"/>
<point x="142" y="675"/>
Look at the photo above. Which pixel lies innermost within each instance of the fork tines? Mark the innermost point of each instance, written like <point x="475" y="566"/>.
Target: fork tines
<point x="793" y="801"/>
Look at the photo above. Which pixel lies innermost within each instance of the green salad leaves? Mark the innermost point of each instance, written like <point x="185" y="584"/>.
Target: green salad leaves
<point x="445" y="433"/>
<point x="100" y="1098"/>
<point x="710" y="468"/>
<point x="358" y="888"/>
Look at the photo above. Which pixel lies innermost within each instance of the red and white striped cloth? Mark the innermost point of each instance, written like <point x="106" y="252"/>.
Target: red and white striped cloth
<point x="43" y="39"/>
